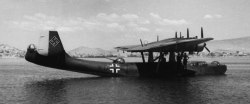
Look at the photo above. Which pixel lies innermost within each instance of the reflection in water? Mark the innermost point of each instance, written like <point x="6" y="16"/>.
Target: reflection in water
<point x="46" y="92"/>
<point x="31" y="84"/>
<point x="113" y="90"/>
<point x="194" y="90"/>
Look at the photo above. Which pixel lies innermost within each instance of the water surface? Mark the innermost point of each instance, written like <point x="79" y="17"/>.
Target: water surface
<point x="25" y="83"/>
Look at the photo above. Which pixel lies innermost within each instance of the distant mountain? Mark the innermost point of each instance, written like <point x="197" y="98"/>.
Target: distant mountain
<point x="7" y="51"/>
<point x="236" y="44"/>
<point x="228" y="45"/>
<point x="88" y="52"/>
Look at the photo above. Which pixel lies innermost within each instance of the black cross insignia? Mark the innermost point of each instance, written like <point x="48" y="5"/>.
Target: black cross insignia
<point x="114" y="68"/>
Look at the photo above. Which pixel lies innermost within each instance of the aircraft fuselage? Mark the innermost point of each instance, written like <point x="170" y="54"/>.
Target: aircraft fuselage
<point x="65" y="62"/>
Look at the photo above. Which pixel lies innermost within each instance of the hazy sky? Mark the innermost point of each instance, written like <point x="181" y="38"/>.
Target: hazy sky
<point x="109" y="23"/>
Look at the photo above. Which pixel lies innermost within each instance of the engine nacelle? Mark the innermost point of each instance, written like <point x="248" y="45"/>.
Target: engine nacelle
<point x="200" y="47"/>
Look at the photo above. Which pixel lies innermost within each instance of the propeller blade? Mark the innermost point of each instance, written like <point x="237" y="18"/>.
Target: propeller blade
<point x="141" y="43"/>
<point x="157" y="38"/>
<point x="207" y="49"/>
<point x="187" y="33"/>
<point x="201" y="32"/>
<point x="175" y="34"/>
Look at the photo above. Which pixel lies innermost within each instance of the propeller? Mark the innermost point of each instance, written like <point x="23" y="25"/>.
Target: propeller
<point x="141" y="43"/>
<point x="207" y="49"/>
<point x="205" y="45"/>
<point x="202" y="36"/>
<point x="175" y="34"/>
<point x="201" y="32"/>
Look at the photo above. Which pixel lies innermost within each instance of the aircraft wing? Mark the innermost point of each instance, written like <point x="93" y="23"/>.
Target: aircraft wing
<point x="173" y="44"/>
<point x="125" y="48"/>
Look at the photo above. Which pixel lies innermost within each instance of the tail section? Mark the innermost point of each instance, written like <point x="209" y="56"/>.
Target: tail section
<point x="55" y="44"/>
<point x="49" y="52"/>
<point x="50" y="45"/>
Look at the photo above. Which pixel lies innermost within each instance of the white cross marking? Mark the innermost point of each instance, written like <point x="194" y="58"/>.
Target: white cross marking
<point x="114" y="68"/>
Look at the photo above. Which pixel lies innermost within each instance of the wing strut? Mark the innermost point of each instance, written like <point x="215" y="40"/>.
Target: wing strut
<point x="143" y="59"/>
<point x="142" y="55"/>
<point x="150" y="57"/>
<point x="159" y="61"/>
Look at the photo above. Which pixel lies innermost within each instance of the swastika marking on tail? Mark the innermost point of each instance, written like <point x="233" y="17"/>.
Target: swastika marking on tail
<point x="54" y="41"/>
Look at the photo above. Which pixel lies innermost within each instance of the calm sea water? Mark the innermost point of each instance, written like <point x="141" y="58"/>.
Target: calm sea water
<point x="25" y="83"/>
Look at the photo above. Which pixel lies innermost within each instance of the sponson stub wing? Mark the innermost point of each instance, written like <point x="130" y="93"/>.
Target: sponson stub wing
<point x="172" y="44"/>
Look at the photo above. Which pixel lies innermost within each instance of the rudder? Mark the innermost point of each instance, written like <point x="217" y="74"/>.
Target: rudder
<point x="50" y="44"/>
<point x="55" y="44"/>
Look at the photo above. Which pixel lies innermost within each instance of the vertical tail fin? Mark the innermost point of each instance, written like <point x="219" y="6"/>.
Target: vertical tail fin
<point x="50" y="51"/>
<point x="55" y="44"/>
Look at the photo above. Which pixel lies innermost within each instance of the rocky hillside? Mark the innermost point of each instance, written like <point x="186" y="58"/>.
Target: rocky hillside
<point x="221" y="46"/>
<point x="237" y="44"/>
<point x="89" y="52"/>
<point x="228" y="45"/>
<point x="7" y="51"/>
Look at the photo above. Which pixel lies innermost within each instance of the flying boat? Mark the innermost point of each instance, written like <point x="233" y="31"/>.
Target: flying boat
<point x="172" y="59"/>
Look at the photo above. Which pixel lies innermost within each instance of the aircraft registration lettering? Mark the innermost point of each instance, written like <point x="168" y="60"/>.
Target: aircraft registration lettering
<point x="114" y="68"/>
<point x="54" y="41"/>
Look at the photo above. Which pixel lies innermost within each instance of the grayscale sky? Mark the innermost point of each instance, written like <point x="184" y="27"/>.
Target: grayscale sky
<point x="109" y="23"/>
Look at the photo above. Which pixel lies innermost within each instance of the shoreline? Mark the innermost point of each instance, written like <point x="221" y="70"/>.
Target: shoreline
<point x="224" y="60"/>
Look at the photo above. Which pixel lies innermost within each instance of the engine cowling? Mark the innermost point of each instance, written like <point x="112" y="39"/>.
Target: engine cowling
<point x="200" y="47"/>
<point x="196" y="48"/>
